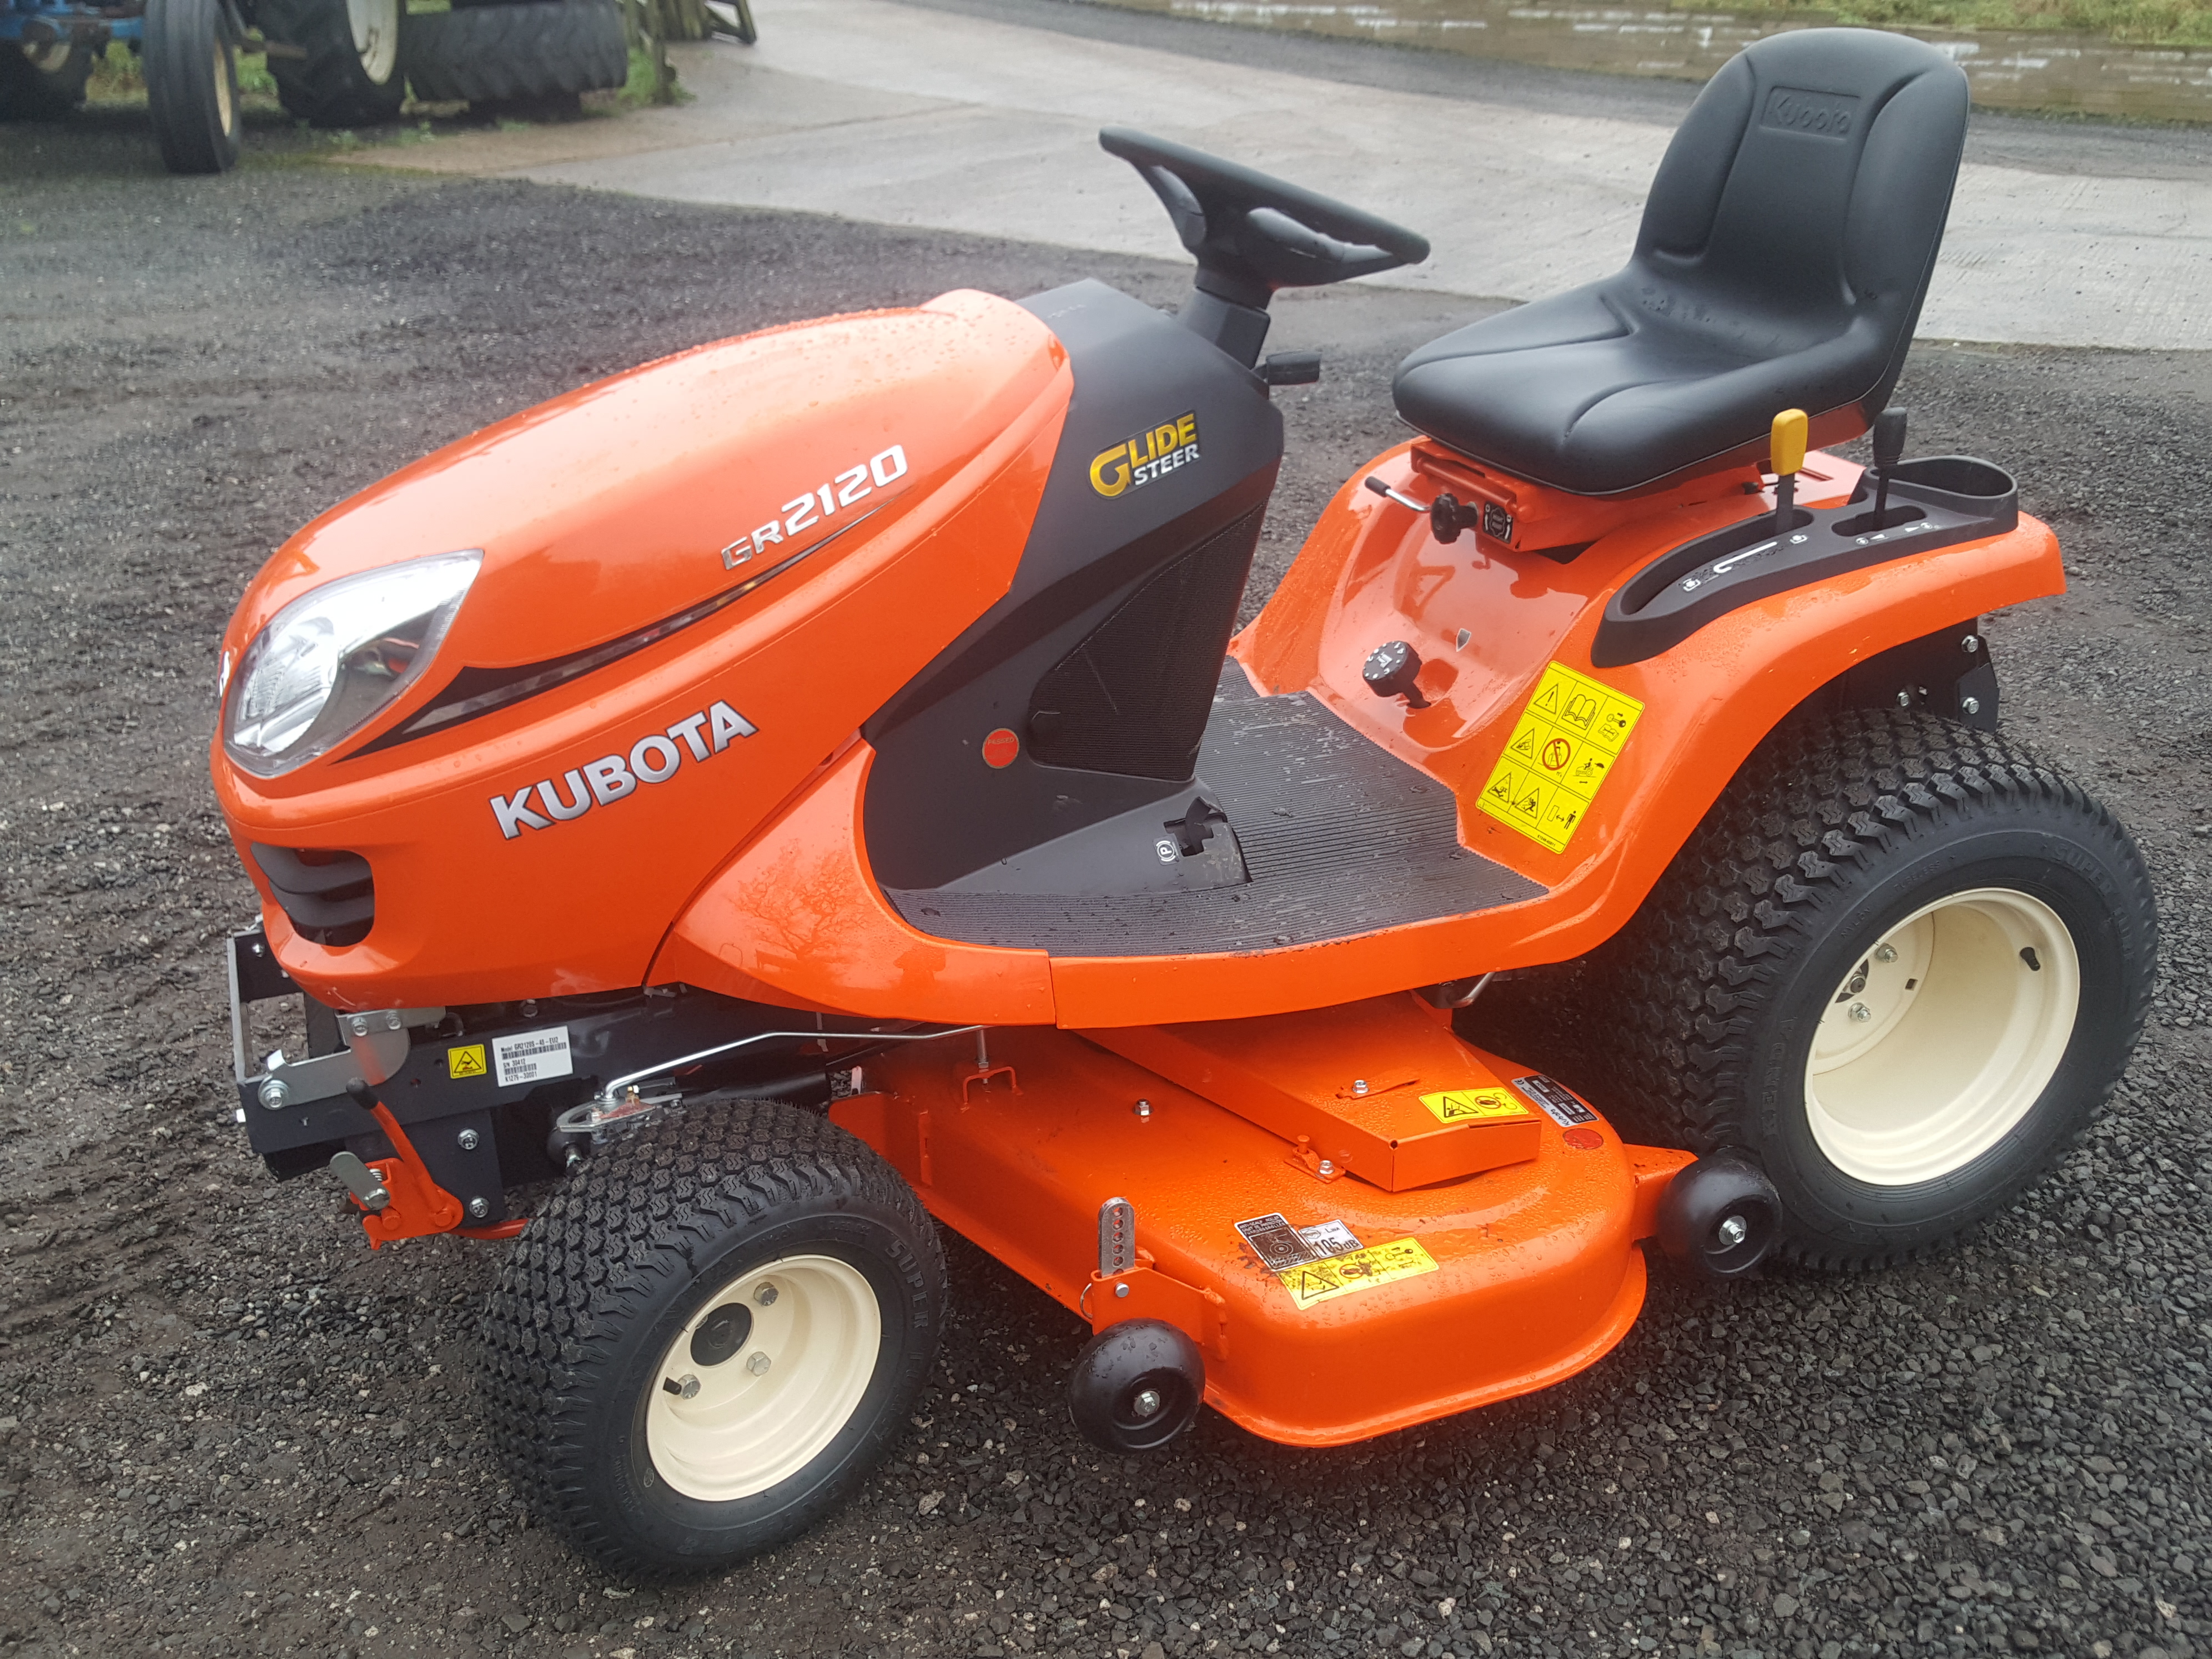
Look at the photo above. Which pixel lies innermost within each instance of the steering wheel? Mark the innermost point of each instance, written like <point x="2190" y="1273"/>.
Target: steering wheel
<point x="1253" y="234"/>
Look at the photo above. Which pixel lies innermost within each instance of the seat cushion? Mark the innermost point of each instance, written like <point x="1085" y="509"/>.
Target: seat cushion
<point x="1786" y="247"/>
<point x="1582" y="393"/>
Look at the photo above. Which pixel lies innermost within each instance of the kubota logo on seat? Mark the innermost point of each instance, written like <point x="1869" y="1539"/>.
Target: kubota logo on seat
<point x="1148" y="455"/>
<point x="654" y="758"/>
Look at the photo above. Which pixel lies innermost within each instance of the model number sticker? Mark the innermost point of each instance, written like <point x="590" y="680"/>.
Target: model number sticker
<point x="1562" y="1108"/>
<point x="1358" y="1270"/>
<point x="531" y="1056"/>
<point x="1563" y="749"/>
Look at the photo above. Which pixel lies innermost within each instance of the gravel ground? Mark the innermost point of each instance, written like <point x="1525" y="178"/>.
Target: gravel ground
<point x="226" y="1427"/>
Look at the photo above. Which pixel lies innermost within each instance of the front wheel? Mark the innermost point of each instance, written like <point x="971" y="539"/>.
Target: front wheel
<point x="710" y="1336"/>
<point x="191" y="85"/>
<point x="43" y="81"/>
<point x="1900" y="963"/>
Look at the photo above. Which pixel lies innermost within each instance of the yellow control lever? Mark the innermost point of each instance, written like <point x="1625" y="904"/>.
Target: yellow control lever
<point x="1786" y="449"/>
<point x="1786" y="442"/>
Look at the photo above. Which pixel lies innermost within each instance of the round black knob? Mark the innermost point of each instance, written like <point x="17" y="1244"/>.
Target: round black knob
<point x="1390" y="670"/>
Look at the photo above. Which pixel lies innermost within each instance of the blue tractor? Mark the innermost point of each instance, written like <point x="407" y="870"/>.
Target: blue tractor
<point x="336" y="63"/>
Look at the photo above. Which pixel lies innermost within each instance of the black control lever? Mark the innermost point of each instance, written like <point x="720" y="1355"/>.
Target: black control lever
<point x="1448" y="516"/>
<point x="1888" y="450"/>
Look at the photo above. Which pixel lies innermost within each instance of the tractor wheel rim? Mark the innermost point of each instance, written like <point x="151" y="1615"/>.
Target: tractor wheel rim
<point x="376" y="26"/>
<point x="1943" y="1037"/>
<point x="225" y="117"/>
<point x="720" y="1432"/>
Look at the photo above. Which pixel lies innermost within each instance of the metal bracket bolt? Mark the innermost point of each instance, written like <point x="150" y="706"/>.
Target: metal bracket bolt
<point x="468" y="1140"/>
<point x="479" y="1208"/>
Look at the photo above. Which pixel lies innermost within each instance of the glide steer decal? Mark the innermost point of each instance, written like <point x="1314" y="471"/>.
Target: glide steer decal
<point x="1148" y="456"/>
<point x="654" y="758"/>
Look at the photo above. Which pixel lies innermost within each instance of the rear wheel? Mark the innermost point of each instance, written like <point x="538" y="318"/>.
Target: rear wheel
<point x="710" y="1335"/>
<point x="350" y="75"/>
<point x="191" y="85"/>
<point x="516" y="54"/>
<point x="1900" y="965"/>
<point x="43" y="81"/>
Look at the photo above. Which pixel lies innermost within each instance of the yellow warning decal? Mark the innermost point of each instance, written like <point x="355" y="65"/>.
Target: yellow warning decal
<point x="1356" y="1270"/>
<point x="1472" y="1105"/>
<point x="1562" y="749"/>
<point x="465" y="1062"/>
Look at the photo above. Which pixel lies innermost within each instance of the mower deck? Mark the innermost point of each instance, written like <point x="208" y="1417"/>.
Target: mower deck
<point x="1410" y="1304"/>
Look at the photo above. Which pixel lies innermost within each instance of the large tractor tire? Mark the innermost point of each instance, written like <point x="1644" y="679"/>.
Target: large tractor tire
<point x="509" y="54"/>
<point x="43" y="82"/>
<point x="351" y="74"/>
<point x="706" y="1341"/>
<point x="1899" y="966"/>
<point x="191" y="85"/>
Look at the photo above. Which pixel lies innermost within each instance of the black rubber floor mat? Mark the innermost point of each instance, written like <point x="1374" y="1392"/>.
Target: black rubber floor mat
<point x="1341" y="838"/>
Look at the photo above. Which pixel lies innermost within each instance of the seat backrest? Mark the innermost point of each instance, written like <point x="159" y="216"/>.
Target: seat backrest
<point x="1806" y="191"/>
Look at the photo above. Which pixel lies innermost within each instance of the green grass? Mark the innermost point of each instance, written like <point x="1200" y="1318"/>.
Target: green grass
<point x="2138" y="22"/>
<point x="118" y="79"/>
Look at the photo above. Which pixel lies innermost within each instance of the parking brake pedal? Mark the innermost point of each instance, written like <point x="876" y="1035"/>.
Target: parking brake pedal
<point x="1195" y="827"/>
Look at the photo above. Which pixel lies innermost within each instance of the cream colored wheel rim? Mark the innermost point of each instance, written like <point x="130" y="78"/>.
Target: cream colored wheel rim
<point x="222" y="111"/>
<point x="1942" y="1038"/>
<point x="725" y="1430"/>
<point x="376" y="26"/>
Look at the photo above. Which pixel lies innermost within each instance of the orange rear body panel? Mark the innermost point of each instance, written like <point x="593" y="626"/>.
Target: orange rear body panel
<point x="1370" y="572"/>
<point x="1535" y="1266"/>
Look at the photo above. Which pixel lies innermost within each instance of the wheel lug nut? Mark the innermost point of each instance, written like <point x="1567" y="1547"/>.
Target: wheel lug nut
<point x="757" y="1364"/>
<point x="1885" y="953"/>
<point x="1859" y="1012"/>
<point x="765" y="1296"/>
<point x="685" y="1387"/>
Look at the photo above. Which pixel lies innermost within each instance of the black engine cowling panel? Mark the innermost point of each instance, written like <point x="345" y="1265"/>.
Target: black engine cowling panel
<point x="1102" y="657"/>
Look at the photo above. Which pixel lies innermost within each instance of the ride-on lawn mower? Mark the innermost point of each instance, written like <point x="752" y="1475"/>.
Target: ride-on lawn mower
<point x="795" y="791"/>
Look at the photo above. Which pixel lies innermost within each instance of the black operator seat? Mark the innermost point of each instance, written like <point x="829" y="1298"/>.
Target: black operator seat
<point x="1785" y="249"/>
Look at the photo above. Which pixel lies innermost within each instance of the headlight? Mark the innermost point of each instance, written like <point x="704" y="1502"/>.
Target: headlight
<point x="332" y="658"/>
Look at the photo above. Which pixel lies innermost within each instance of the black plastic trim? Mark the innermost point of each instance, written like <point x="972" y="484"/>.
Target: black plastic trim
<point x="1957" y="499"/>
<point x="331" y="902"/>
<point x="473" y="692"/>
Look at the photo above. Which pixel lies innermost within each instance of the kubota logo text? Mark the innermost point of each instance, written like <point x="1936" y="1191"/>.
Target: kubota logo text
<point x="1148" y="456"/>
<point x="654" y="758"/>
